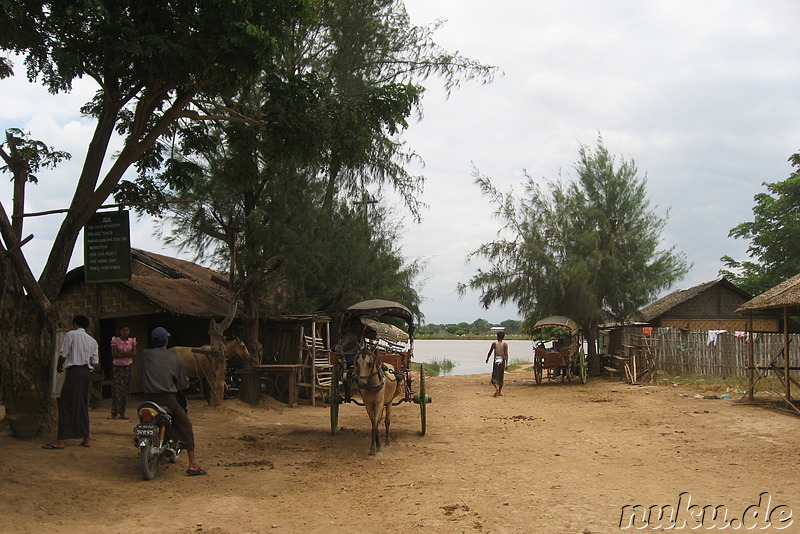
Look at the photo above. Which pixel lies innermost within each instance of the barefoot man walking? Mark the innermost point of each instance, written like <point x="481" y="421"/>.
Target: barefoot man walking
<point x="500" y="366"/>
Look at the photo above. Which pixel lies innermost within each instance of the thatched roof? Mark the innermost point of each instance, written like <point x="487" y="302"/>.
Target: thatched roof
<point x="785" y="295"/>
<point x="663" y="305"/>
<point x="178" y="286"/>
<point x="172" y="285"/>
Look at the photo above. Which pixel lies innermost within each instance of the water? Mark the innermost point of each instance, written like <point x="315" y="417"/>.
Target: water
<point x="469" y="355"/>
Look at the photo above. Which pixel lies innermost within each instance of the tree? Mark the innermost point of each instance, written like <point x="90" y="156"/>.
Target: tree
<point x="155" y="64"/>
<point x="274" y="194"/>
<point x="774" y="234"/>
<point x="480" y="326"/>
<point x="24" y="158"/>
<point x="512" y="326"/>
<point x="588" y="249"/>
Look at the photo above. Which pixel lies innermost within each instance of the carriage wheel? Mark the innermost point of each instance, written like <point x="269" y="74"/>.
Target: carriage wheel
<point x="423" y="399"/>
<point x="583" y="366"/>
<point x="537" y="371"/>
<point x="334" y="399"/>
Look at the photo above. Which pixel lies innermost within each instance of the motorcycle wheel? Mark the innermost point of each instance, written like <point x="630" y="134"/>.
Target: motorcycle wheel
<point x="148" y="461"/>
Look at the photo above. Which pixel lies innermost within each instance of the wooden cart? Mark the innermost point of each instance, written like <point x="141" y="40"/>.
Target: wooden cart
<point x="388" y="328"/>
<point x="565" y="361"/>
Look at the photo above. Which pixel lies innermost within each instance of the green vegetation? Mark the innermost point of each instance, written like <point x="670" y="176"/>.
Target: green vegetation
<point x="588" y="248"/>
<point x="280" y="120"/>
<point x="707" y="383"/>
<point x="478" y="328"/>
<point x="435" y="367"/>
<point x="773" y="234"/>
<point x="546" y="333"/>
<point x="517" y="363"/>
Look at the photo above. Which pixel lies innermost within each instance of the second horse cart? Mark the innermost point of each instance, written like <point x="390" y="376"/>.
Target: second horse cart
<point x="565" y="358"/>
<point x="385" y="329"/>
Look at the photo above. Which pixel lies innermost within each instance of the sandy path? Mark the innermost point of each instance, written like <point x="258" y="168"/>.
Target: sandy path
<point x="552" y="458"/>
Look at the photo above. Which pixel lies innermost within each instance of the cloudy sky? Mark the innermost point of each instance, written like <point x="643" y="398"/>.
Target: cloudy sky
<point x="703" y="95"/>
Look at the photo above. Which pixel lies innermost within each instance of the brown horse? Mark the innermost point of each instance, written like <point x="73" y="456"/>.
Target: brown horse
<point x="378" y="385"/>
<point x="198" y="365"/>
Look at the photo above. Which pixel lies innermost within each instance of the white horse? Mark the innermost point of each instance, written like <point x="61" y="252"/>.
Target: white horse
<point x="379" y="386"/>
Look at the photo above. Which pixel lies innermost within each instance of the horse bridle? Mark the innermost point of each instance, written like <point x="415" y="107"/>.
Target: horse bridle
<point x="378" y="372"/>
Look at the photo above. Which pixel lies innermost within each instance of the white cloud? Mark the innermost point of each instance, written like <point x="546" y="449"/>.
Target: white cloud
<point x="704" y="96"/>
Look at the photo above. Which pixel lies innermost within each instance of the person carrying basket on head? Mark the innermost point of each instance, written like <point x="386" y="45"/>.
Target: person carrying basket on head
<point x="500" y="365"/>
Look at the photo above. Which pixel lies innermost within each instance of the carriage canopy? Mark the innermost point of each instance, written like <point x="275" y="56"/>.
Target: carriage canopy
<point x="557" y="321"/>
<point x="378" y="308"/>
<point x="373" y="313"/>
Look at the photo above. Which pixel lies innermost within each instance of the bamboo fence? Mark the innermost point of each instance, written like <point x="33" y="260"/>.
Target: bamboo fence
<point x="681" y="352"/>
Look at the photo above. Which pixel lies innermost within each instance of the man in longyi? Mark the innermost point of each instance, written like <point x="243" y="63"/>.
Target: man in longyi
<point x="500" y="365"/>
<point x="78" y="358"/>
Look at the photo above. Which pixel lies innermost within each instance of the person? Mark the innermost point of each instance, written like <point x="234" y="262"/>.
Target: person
<point x="77" y="359"/>
<point x="500" y="365"/>
<point x="162" y="379"/>
<point x="352" y="340"/>
<point x="123" y="350"/>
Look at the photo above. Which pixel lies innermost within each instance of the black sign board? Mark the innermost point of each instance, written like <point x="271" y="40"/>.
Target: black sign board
<point x="107" y="247"/>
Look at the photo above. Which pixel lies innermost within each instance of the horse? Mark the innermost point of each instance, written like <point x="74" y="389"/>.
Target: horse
<point x="379" y="386"/>
<point x="198" y="365"/>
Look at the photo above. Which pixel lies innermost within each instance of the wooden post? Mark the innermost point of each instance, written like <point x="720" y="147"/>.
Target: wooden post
<point x="751" y="370"/>
<point x="313" y="361"/>
<point x="786" y="354"/>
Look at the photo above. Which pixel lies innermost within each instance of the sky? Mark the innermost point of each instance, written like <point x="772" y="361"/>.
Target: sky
<point x="704" y="96"/>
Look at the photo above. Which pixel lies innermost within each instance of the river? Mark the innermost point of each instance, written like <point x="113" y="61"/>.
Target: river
<point x="469" y="355"/>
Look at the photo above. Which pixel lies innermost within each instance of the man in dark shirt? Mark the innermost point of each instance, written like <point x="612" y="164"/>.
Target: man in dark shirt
<point x="162" y="378"/>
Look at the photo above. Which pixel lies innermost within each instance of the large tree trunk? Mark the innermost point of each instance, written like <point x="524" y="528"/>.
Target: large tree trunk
<point x="26" y="351"/>
<point x="250" y="391"/>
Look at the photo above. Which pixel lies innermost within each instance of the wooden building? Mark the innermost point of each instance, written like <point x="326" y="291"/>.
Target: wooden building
<point x="782" y="301"/>
<point x="179" y="295"/>
<point x="708" y="307"/>
<point x="183" y="297"/>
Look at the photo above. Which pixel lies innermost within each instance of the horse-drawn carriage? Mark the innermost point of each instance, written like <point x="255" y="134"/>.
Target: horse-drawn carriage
<point x="379" y="369"/>
<point x="566" y="358"/>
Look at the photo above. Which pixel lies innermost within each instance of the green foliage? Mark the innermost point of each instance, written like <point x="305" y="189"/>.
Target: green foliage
<point x="512" y="326"/>
<point x="279" y="189"/>
<point x="547" y="333"/>
<point x="435" y="367"/>
<point x="774" y="234"/>
<point x="479" y="326"/>
<point x="156" y="64"/>
<point x="25" y="157"/>
<point x="587" y="249"/>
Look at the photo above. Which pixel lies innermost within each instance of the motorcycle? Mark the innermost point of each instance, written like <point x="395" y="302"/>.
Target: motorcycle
<point x="153" y="438"/>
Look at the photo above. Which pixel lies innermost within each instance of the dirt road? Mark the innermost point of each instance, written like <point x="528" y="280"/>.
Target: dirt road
<point x="540" y="459"/>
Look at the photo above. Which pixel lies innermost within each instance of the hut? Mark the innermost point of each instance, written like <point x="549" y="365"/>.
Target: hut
<point x="781" y="301"/>
<point x="710" y="306"/>
<point x="163" y="291"/>
<point x="694" y="318"/>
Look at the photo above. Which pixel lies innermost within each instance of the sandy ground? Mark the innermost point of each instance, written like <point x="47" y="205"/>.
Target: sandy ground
<point x="552" y="458"/>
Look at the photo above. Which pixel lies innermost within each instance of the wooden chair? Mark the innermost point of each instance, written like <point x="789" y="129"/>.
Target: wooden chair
<point x="322" y="369"/>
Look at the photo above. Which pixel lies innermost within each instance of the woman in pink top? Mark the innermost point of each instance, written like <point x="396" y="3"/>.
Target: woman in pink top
<point x="123" y="349"/>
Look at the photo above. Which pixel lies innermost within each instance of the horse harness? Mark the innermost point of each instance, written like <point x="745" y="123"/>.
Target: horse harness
<point x="381" y="373"/>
